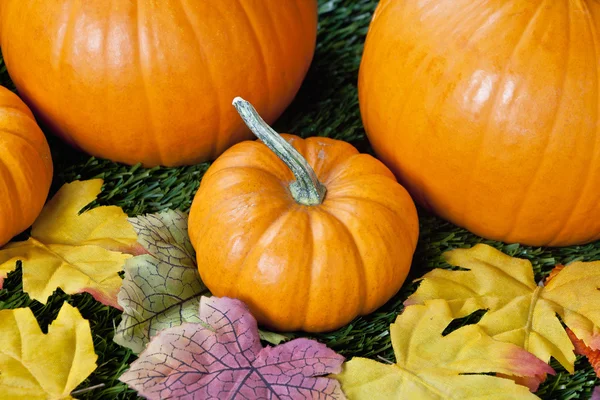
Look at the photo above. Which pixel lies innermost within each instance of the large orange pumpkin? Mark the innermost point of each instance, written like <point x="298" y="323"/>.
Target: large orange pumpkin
<point x="309" y="249"/>
<point x="25" y="167"/>
<point x="488" y="111"/>
<point x="151" y="81"/>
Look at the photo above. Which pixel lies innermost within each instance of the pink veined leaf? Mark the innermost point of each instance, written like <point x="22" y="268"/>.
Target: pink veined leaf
<point x="596" y="393"/>
<point x="222" y="358"/>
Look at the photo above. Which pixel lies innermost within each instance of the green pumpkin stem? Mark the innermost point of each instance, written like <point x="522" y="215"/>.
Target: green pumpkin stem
<point x="306" y="189"/>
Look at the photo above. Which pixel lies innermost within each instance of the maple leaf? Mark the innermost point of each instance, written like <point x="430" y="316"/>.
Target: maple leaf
<point x="520" y="311"/>
<point x="222" y="358"/>
<point x="76" y="252"/>
<point x="162" y="289"/>
<point x="430" y="366"/>
<point x="593" y="356"/>
<point x="41" y="366"/>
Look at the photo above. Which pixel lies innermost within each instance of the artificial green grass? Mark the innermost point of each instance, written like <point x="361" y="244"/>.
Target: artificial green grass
<point x="327" y="105"/>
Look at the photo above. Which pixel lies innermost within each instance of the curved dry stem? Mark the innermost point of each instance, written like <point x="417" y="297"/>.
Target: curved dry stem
<point x="306" y="189"/>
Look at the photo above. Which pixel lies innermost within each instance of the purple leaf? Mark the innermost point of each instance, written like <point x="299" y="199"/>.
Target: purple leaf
<point x="596" y="393"/>
<point x="222" y="358"/>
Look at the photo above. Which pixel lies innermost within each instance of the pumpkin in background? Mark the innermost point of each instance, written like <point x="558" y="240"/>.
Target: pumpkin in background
<point x="308" y="250"/>
<point x="488" y="112"/>
<point x="25" y="167"/>
<point x="152" y="81"/>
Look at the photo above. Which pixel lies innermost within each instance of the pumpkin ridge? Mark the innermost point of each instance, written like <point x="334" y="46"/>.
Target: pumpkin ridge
<point x="329" y="175"/>
<point x="361" y="267"/>
<point x="547" y="139"/>
<point x="11" y="189"/>
<point x="365" y="199"/>
<point x="457" y="18"/>
<point x="142" y="63"/>
<point x="195" y="235"/>
<point x="398" y="215"/>
<point x="106" y="45"/>
<point x="443" y="100"/>
<point x="59" y="64"/>
<point x="586" y="171"/>
<point x="411" y="90"/>
<point x="26" y="140"/>
<point x="251" y="248"/>
<point x="216" y="143"/>
<point x="60" y="44"/>
<point x="594" y="152"/>
<point x="309" y="270"/>
<point x="256" y="42"/>
<point x="284" y="213"/>
<point x="497" y="94"/>
<point x="277" y="39"/>
<point x="210" y="77"/>
<point x="490" y="17"/>
<point x="297" y="12"/>
<point x="333" y="180"/>
<point x="220" y="208"/>
<point x="16" y="110"/>
<point x="393" y="275"/>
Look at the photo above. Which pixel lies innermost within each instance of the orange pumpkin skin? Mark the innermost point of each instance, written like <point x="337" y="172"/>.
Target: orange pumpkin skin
<point x="25" y="167"/>
<point x="310" y="268"/>
<point x="487" y="111"/>
<point x="151" y="81"/>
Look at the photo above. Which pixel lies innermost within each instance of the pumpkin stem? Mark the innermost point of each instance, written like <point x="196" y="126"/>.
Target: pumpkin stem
<point x="306" y="189"/>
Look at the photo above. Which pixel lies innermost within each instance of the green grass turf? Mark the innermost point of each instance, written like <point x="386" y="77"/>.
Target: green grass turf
<point x="327" y="105"/>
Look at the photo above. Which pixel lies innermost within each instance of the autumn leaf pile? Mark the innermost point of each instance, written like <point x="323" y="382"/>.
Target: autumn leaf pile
<point x="191" y="345"/>
<point x="521" y="329"/>
<point x="520" y="311"/>
<point x="74" y="252"/>
<point x="71" y="251"/>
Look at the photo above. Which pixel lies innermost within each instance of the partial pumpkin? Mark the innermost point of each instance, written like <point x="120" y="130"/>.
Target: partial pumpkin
<point x="488" y="112"/>
<point x="308" y="233"/>
<point x="152" y="81"/>
<point x="25" y="167"/>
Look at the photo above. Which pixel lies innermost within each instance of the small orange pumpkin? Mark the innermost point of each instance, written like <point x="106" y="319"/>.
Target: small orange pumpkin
<point x="487" y="111"/>
<point x="150" y="81"/>
<point x="309" y="246"/>
<point x="25" y="167"/>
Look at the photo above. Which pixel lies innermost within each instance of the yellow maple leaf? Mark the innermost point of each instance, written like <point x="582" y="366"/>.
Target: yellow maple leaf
<point x="430" y="366"/>
<point x="519" y="310"/>
<point x="76" y="252"/>
<point x="46" y="367"/>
